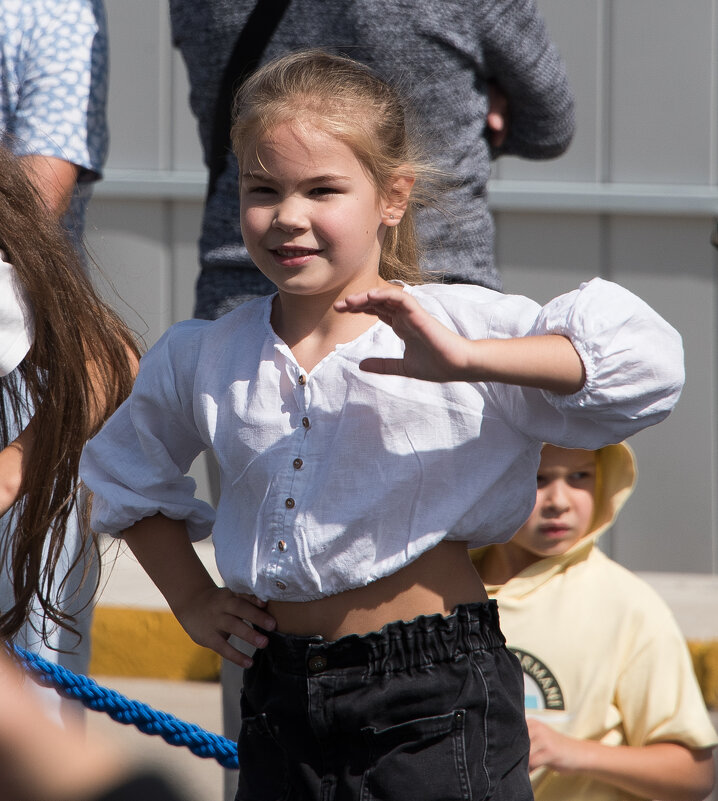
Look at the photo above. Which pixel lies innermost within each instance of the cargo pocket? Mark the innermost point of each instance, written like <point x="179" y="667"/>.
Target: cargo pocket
<point x="422" y="759"/>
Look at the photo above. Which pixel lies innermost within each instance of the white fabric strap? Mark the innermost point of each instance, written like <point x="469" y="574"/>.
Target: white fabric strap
<point x="16" y="321"/>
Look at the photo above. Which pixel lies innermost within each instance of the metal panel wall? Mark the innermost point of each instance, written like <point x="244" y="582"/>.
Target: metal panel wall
<point x="633" y="200"/>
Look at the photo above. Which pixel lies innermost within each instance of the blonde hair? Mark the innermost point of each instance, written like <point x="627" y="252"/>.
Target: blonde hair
<point x="346" y="100"/>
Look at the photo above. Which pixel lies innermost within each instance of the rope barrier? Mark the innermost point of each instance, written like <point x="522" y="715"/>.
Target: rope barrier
<point x="148" y="720"/>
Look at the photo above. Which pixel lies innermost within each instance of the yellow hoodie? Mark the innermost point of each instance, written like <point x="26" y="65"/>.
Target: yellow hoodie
<point x="602" y="655"/>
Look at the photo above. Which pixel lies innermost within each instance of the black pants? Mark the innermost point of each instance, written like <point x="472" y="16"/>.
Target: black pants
<point x="430" y="710"/>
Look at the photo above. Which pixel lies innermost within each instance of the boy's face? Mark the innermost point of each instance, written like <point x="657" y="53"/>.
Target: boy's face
<point x="566" y="483"/>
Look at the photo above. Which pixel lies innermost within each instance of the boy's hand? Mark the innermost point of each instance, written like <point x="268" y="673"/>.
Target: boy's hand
<point x="433" y="353"/>
<point x="497" y="118"/>
<point x="550" y="749"/>
<point x="656" y="770"/>
<point x="217" y="613"/>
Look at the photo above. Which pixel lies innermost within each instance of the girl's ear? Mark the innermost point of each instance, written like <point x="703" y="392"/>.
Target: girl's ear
<point x="394" y="206"/>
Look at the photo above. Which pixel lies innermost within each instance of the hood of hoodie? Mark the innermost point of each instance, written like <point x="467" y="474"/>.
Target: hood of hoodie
<point x="616" y="476"/>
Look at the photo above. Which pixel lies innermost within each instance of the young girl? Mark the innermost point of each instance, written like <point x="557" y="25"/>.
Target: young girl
<point x="349" y="490"/>
<point x="75" y="362"/>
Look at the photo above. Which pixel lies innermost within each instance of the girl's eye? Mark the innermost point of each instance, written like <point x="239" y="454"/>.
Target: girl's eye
<point x="261" y="190"/>
<point x="324" y="190"/>
<point x="580" y="475"/>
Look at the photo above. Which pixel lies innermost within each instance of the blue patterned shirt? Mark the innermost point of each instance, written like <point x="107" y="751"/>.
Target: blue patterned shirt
<point x="53" y="66"/>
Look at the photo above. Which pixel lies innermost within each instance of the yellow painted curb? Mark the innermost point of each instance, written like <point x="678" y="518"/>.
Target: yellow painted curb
<point x="152" y="644"/>
<point x="705" y="662"/>
<point x="148" y="644"/>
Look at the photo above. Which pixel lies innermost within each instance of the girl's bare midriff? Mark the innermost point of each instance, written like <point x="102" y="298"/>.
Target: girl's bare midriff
<point x="434" y="583"/>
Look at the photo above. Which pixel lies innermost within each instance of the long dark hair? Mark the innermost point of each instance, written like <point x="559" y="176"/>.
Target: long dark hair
<point x="79" y="369"/>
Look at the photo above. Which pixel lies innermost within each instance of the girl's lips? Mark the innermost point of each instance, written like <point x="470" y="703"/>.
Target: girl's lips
<point x="295" y="251"/>
<point x="293" y="257"/>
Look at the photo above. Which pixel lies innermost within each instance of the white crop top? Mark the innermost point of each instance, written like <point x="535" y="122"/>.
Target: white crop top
<point x="336" y="478"/>
<point x="16" y="322"/>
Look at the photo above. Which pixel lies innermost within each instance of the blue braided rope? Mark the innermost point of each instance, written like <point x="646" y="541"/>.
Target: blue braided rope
<point x="148" y="720"/>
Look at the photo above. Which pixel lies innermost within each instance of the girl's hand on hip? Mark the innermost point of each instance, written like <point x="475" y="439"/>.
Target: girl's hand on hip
<point x="217" y="613"/>
<point x="433" y="353"/>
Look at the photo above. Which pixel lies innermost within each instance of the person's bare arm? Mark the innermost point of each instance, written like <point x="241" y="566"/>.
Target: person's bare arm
<point x="54" y="179"/>
<point x="38" y="759"/>
<point x="208" y="613"/>
<point x="14" y="460"/>
<point x="41" y="759"/>
<point x="668" y="771"/>
<point x="433" y="353"/>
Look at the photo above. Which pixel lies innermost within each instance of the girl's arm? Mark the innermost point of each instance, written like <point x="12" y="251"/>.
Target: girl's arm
<point x="208" y="613"/>
<point x="661" y="770"/>
<point x="433" y="353"/>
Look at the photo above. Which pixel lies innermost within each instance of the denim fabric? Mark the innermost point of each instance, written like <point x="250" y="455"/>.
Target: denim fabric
<point x="425" y="710"/>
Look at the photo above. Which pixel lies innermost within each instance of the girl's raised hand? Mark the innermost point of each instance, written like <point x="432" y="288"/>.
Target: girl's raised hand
<point x="433" y="353"/>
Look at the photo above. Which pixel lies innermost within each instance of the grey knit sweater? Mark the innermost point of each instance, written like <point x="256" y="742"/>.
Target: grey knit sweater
<point x="442" y="53"/>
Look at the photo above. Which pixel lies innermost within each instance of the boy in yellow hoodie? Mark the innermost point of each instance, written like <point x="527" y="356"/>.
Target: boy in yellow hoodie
<point x="613" y="706"/>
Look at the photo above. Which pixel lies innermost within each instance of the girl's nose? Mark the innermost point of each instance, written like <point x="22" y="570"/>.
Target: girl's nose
<point x="289" y="216"/>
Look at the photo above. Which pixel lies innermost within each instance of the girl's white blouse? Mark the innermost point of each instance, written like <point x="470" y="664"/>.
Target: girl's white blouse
<point x="332" y="479"/>
<point x="16" y="321"/>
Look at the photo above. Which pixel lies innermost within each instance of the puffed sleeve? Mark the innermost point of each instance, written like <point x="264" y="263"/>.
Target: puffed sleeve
<point x="136" y="466"/>
<point x="633" y="361"/>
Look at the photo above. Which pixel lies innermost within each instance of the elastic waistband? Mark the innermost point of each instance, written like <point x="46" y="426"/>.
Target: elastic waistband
<point x="397" y="646"/>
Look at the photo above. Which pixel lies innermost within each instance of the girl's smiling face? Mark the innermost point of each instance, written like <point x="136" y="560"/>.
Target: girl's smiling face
<point x="311" y="217"/>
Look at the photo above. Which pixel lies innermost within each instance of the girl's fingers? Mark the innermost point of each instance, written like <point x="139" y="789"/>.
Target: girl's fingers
<point x="243" y="610"/>
<point x="231" y="625"/>
<point x="374" y="300"/>
<point x="227" y="651"/>
<point x="252" y="599"/>
<point x="383" y="366"/>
